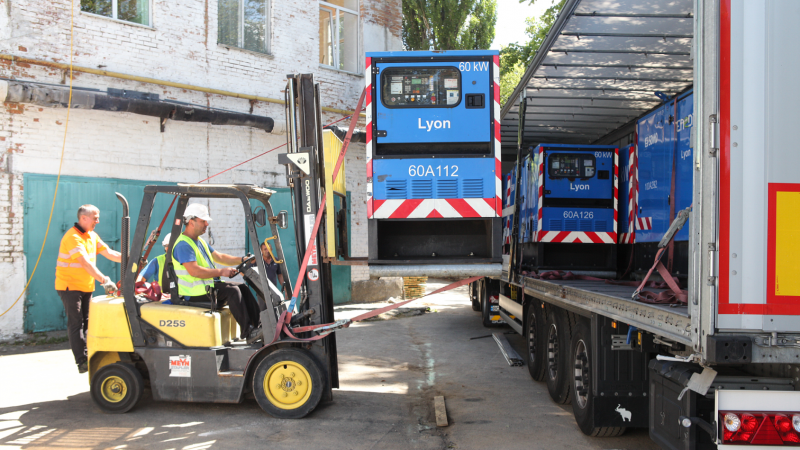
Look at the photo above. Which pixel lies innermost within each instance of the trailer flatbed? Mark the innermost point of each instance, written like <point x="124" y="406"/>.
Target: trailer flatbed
<point x="612" y="301"/>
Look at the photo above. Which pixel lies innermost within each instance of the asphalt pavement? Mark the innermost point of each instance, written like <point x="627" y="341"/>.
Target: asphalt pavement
<point x="390" y="371"/>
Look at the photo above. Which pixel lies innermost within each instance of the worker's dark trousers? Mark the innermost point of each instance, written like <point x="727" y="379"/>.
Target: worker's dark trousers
<point x="238" y="297"/>
<point x="76" y="305"/>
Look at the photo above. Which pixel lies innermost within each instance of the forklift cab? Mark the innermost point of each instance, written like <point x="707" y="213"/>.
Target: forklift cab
<point x="187" y="351"/>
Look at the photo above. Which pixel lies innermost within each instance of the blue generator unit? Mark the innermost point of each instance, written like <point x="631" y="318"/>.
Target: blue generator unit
<point x="433" y="157"/>
<point x="568" y="211"/>
<point x="664" y="181"/>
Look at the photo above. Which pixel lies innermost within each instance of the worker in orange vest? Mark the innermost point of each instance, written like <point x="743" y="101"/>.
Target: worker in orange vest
<point x="76" y="271"/>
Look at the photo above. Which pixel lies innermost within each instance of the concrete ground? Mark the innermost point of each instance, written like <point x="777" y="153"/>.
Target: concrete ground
<point x="390" y="370"/>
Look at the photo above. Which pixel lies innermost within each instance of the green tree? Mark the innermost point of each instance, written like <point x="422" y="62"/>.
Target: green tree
<point x="448" y="24"/>
<point x="516" y="57"/>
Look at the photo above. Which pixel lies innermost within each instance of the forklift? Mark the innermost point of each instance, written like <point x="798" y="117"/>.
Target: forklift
<point x="188" y="351"/>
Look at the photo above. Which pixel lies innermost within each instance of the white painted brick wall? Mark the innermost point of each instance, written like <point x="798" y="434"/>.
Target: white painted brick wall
<point x="180" y="47"/>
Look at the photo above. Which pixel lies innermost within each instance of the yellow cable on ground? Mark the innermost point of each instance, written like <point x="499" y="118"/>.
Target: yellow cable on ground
<point x="60" y="162"/>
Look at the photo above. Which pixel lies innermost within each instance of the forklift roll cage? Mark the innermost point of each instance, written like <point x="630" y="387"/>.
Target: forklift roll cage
<point x="244" y="193"/>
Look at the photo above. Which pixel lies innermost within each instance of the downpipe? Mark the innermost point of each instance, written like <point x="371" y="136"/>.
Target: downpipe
<point x="124" y="238"/>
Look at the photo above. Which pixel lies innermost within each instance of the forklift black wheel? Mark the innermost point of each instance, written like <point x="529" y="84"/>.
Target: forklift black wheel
<point x="288" y="383"/>
<point x="116" y="388"/>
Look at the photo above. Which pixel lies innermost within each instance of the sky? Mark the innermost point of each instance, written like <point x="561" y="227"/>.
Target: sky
<point x="511" y="15"/>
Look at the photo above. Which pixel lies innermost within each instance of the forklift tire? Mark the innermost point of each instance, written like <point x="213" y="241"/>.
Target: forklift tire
<point x="557" y="373"/>
<point x="582" y="398"/>
<point x="473" y="295"/>
<point x="288" y="383"/>
<point x="116" y="388"/>
<point x="534" y="332"/>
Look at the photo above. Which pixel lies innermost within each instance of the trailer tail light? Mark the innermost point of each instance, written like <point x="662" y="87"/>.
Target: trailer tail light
<point x="494" y="299"/>
<point x="760" y="428"/>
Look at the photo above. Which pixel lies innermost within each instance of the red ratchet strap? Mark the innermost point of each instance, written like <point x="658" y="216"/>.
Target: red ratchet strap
<point x="346" y="323"/>
<point x="285" y="319"/>
<point x="157" y="232"/>
<point x="675" y="295"/>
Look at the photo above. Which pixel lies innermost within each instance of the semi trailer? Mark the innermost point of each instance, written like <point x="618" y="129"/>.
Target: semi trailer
<point x="716" y="365"/>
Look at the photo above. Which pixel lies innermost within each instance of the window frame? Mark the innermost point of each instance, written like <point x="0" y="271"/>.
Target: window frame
<point x="115" y="14"/>
<point x="336" y="38"/>
<point x="267" y="33"/>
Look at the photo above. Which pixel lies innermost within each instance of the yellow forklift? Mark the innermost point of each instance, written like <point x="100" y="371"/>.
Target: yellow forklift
<point x="188" y="351"/>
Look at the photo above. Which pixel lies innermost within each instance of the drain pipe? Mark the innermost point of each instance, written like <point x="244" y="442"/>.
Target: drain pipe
<point x="56" y="97"/>
<point x="124" y="239"/>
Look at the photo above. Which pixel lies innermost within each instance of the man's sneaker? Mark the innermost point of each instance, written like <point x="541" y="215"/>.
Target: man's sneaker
<point x="83" y="367"/>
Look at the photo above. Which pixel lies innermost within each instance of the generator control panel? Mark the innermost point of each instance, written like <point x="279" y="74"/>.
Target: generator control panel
<point x="415" y="87"/>
<point x="570" y="165"/>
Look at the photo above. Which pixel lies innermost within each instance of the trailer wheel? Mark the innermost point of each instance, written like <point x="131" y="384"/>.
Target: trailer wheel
<point x="288" y="383"/>
<point x="534" y="331"/>
<point x="557" y="373"/>
<point x="116" y="388"/>
<point x="473" y="295"/>
<point x="582" y="398"/>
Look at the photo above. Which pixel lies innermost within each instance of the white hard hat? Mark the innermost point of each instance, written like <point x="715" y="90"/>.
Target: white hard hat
<point x="197" y="210"/>
<point x="165" y="242"/>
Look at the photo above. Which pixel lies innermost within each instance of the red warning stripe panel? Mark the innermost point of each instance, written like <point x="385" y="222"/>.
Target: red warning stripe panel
<point x="462" y="207"/>
<point x="405" y="209"/>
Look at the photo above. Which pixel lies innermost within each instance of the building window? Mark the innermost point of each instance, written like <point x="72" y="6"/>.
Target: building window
<point x="338" y="34"/>
<point x="244" y="24"/>
<point x="136" y="11"/>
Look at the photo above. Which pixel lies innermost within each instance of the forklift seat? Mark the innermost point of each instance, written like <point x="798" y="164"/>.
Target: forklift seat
<point x="192" y="326"/>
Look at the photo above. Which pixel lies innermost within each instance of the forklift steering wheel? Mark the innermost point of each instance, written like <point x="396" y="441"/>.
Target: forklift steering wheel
<point x="241" y="266"/>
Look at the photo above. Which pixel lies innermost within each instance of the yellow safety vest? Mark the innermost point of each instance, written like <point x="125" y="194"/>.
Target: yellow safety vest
<point x="187" y="284"/>
<point x="160" y="260"/>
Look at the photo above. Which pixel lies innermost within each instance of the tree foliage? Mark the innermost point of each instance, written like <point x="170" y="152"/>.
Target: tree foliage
<point x="516" y="58"/>
<point x="448" y="24"/>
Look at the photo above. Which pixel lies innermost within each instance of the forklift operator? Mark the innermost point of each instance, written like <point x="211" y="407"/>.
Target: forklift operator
<point x="194" y="260"/>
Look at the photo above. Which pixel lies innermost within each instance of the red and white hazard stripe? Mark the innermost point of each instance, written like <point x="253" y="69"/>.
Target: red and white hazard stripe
<point x="644" y="223"/>
<point x="616" y="192"/>
<point x="419" y="208"/>
<point x="368" y="111"/>
<point x="497" y="167"/>
<point x="633" y="171"/>
<point x="540" y="186"/>
<point x="578" y="237"/>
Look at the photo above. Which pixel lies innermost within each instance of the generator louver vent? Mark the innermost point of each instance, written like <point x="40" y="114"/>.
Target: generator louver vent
<point x="421" y="188"/>
<point x="571" y="225"/>
<point x="396" y="189"/>
<point x="555" y="225"/>
<point x="447" y="189"/>
<point x="600" y="225"/>
<point x="473" y="188"/>
<point x="586" y="225"/>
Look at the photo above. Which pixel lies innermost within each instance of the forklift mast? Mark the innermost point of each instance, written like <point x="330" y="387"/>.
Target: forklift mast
<point x="304" y="170"/>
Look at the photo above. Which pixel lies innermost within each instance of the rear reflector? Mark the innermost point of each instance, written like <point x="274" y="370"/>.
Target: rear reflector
<point x="760" y="428"/>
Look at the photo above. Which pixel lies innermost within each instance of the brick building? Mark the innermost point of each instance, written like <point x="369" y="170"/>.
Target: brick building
<point x="185" y="52"/>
